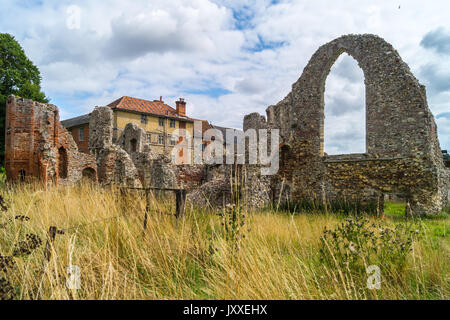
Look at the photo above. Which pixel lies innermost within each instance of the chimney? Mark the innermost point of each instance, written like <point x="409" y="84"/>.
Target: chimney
<point x="181" y="107"/>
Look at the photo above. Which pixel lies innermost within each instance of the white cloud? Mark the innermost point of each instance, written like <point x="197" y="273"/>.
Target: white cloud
<point x="252" y="50"/>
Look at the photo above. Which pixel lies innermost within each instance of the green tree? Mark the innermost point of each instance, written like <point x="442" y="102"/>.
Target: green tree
<point x="18" y="76"/>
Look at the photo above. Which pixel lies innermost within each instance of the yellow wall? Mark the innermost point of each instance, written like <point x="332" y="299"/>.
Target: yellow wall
<point x="122" y="118"/>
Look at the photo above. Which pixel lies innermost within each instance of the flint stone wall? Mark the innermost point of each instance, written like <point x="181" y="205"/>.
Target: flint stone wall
<point x="403" y="153"/>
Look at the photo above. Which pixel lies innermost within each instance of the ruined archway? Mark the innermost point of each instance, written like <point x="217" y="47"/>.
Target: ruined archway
<point x="62" y="163"/>
<point x="390" y="86"/>
<point x="345" y="108"/>
<point x="89" y="174"/>
<point x="403" y="153"/>
<point x="133" y="145"/>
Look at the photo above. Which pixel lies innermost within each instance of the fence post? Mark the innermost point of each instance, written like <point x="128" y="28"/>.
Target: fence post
<point x="147" y="208"/>
<point x="380" y="205"/>
<point x="50" y="240"/>
<point x="407" y="210"/>
<point x="181" y="202"/>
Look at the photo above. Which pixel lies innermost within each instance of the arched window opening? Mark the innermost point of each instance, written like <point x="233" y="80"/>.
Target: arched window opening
<point x="89" y="174"/>
<point x="133" y="145"/>
<point x="62" y="163"/>
<point x="345" y="108"/>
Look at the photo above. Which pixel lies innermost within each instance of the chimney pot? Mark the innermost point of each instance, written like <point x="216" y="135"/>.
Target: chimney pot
<point x="181" y="107"/>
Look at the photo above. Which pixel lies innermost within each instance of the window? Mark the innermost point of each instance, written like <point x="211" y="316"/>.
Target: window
<point x="62" y="163"/>
<point x="81" y="134"/>
<point x="173" y="141"/>
<point x="149" y="137"/>
<point x="161" y="139"/>
<point x="133" y="145"/>
<point x="161" y="122"/>
<point x="143" y="119"/>
<point x="22" y="175"/>
<point x="172" y="123"/>
<point x="203" y="146"/>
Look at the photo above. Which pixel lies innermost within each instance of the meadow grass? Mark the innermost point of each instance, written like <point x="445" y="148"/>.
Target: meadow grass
<point x="277" y="256"/>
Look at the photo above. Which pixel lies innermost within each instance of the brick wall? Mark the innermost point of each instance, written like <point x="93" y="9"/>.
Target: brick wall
<point x="81" y="139"/>
<point x="37" y="146"/>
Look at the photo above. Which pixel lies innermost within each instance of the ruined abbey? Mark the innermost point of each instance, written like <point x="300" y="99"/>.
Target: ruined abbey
<point x="403" y="154"/>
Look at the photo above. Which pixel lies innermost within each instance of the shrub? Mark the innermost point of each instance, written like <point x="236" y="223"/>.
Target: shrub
<point x="2" y="175"/>
<point x="357" y="243"/>
<point x="21" y="249"/>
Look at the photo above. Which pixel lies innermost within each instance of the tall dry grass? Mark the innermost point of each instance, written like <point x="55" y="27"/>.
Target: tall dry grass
<point x="189" y="258"/>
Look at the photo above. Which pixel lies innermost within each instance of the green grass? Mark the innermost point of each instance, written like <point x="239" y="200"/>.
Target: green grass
<point x="189" y="258"/>
<point x="437" y="226"/>
<point x="394" y="209"/>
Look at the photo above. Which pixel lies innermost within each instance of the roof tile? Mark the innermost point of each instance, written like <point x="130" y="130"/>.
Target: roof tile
<point x="145" y="106"/>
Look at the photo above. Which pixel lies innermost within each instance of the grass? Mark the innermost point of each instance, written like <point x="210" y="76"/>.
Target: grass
<point x="278" y="256"/>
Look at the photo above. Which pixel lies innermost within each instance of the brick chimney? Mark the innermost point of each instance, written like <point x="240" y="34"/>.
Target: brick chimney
<point x="181" y="107"/>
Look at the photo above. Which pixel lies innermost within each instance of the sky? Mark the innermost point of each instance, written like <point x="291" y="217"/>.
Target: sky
<point x="226" y="58"/>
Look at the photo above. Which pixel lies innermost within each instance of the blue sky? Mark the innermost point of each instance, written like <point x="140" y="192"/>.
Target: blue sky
<point x="226" y="58"/>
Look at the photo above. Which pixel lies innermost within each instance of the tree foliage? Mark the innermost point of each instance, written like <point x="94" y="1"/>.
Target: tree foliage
<point x="18" y="76"/>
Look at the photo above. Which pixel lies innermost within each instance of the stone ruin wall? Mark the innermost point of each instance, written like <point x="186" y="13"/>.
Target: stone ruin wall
<point x="38" y="146"/>
<point x="403" y="153"/>
<point x="34" y="137"/>
<point x="129" y="162"/>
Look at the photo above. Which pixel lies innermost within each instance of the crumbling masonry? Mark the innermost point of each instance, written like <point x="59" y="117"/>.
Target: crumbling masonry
<point x="130" y="162"/>
<point x="403" y="153"/>
<point x="38" y="146"/>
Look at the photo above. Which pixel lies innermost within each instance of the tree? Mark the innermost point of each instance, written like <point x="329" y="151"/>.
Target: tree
<point x="18" y="76"/>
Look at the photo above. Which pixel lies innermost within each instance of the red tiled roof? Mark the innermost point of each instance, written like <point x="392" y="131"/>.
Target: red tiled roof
<point x="145" y="106"/>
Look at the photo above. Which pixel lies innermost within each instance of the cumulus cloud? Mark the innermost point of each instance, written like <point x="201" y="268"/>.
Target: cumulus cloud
<point x="228" y="57"/>
<point x="250" y="85"/>
<point x="438" y="40"/>
<point x="437" y="77"/>
<point x="445" y="115"/>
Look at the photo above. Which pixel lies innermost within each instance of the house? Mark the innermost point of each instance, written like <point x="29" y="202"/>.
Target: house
<point x="158" y="119"/>
<point x="446" y="157"/>
<point x="79" y="128"/>
<point x="222" y="137"/>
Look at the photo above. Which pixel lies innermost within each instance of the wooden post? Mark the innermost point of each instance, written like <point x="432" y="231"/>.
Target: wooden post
<point x="380" y="205"/>
<point x="147" y="208"/>
<point x="50" y="240"/>
<point x="181" y="203"/>
<point x="407" y="210"/>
